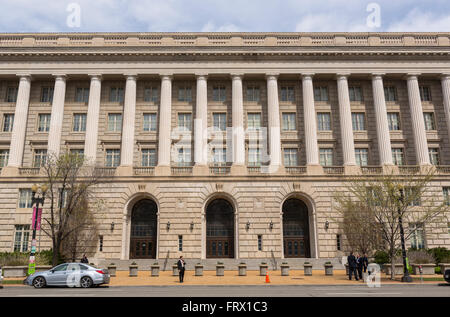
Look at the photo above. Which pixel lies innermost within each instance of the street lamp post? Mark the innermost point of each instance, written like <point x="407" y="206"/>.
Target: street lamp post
<point x="406" y="277"/>
<point x="35" y="200"/>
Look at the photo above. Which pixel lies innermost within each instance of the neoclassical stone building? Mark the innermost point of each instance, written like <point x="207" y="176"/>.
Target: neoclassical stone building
<point x="222" y="145"/>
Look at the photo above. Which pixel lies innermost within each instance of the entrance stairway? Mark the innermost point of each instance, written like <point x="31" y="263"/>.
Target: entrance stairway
<point x="230" y="264"/>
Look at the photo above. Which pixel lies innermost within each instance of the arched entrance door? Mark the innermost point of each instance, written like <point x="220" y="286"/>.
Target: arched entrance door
<point x="143" y="230"/>
<point x="219" y="229"/>
<point x="295" y="229"/>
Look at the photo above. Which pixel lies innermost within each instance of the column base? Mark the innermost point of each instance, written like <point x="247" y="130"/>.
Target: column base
<point x="238" y="170"/>
<point x="314" y="169"/>
<point x="352" y="170"/>
<point x="9" y="171"/>
<point x="390" y="170"/>
<point x="162" y="170"/>
<point x="124" y="171"/>
<point x="200" y="170"/>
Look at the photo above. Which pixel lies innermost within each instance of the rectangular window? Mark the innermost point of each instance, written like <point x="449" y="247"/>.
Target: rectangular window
<point x="11" y="94"/>
<point x="425" y="93"/>
<point x="446" y="193"/>
<point x="219" y="93"/>
<point x="25" y="198"/>
<point x="355" y="93"/>
<point x="185" y="94"/>
<point x="21" y="238"/>
<point x="148" y="157"/>
<point x="219" y="121"/>
<point x="428" y="118"/>
<point x="254" y="157"/>
<point x="47" y="94"/>
<point x="77" y="152"/>
<point x="151" y="94"/>
<point x="180" y="243"/>
<point x="40" y="156"/>
<point x="290" y="157"/>
<point x="323" y="121"/>
<point x="397" y="156"/>
<point x="259" y="242"/>
<point x="417" y="237"/>
<point x="288" y="94"/>
<point x="358" y="121"/>
<point x="219" y="156"/>
<point x="326" y="157"/>
<point x="338" y="242"/>
<point x="434" y="156"/>
<point x="112" y="158"/>
<point x="362" y="157"/>
<point x="390" y="93"/>
<point x="289" y="122"/>
<point x="79" y="122"/>
<point x="100" y="243"/>
<point x="62" y="202"/>
<point x="254" y="121"/>
<point x="114" y="122"/>
<point x="184" y="122"/>
<point x="253" y="93"/>
<point x="321" y="93"/>
<point x="4" y="156"/>
<point x="8" y="122"/>
<point x="184" y="156"/>
<point x="44" y="122"/>
<point x="393" y="121"/>
<point x="413" y="194"/>
<point x="82" y="95"/>
<point x="116" y="94"/>
<point x="149" y="122"/>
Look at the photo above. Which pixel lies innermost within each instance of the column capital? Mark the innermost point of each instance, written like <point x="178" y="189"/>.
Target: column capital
<point x="445" y="76"/>
<point x="342" y="75"/>
<point x="60" y="77"/>
<point x="272" y="76"/>
<point x="307" y="75"/>
<point x="166" y="76"/>
<point x="412" y="76"/>
<point x="378" y="75"/>
<point x="25" y="76"/>
<point x="201" y="74"/>
<point x="237" y="75"/>
<point x="131" y="75"/>
<point x="96" y="77"/>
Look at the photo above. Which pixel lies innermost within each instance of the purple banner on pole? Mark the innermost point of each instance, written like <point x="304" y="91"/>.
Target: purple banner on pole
<point x="38" y="226"/>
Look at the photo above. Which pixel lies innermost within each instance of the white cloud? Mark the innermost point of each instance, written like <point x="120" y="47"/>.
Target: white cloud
<point x="210" y="27"/>
<point x="418" y="21"/>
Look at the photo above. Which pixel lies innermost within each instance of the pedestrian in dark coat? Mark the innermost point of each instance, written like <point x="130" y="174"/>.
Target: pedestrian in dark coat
<point x="365" y="262"/>
<point x="181" y="268"/>
<point x="352" y="265"/>
<point x="359" y="265"/>
<point x="84" y="259"/>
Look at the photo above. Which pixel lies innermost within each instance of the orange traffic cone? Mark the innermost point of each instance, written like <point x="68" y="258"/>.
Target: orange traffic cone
<point x="267" y="277"/>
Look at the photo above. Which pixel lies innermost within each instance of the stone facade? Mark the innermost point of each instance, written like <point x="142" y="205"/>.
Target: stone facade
<point x="201" y="63"/>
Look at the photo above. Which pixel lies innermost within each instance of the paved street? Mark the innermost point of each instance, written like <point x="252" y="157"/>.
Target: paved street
<point x="442" y="290"/>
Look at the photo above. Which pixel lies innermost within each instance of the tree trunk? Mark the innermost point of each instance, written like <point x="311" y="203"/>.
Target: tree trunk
<point x="392" y="264"/>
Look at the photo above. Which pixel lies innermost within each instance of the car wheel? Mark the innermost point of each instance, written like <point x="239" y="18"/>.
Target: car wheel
<point x="39" y="282"/>
<point x="86" y="282"/>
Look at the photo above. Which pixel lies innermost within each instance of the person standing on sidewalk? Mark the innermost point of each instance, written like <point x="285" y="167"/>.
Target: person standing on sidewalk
<point x="351" y="260"/>
<point x="359" y="265"/>
<point x="181" y="268"/>
<point x="84" y="259"/>
<point x="365" y="262"/>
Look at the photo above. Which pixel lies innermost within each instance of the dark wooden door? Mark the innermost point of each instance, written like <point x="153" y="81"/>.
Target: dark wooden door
<point x="219" y="229"/>
<point x="143" y="248"/>
<point x="296" y="247"/>
<point x="295" y="229"/>
<point x="143" y="230"/>
<point x="220" y="247"/>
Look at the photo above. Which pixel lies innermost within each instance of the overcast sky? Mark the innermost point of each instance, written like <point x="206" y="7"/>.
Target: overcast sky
<point x="223" y="15"/>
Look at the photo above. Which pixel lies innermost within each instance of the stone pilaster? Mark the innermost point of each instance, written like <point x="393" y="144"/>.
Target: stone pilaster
<point x="312" y="149"/>
<point x="238" y="132"/>
<point x="201" y="127"/>
<point x="164" y="138"/>
<point x="56" y="120"/>
<point x="129" y="116"/>
<point x="345" y="117"/>
<point x="417" y="122"/>
<point x="19" y="128"/>
<point x="93" y="114"/>
<point x="274" y="137"/>
<point x="383" y="135"/>
<point x="445" y="81"/>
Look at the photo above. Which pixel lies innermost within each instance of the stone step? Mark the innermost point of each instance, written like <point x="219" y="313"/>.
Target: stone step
<point x="230" y="264"/>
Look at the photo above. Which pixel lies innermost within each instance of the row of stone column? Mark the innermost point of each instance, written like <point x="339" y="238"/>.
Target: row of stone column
<point x="238" y="138"/>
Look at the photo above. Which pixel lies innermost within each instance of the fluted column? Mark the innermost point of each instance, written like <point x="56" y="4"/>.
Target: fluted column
<point x="238" y="132"/>
<point x="56" y="120"/>
<point x="201" y="122"/>
<point x="312" y="150"/>
<point x="129" y="116"/>
<point x="273" y="108"/>
<point x="383" y="135"/>
<point x="345" y="117"/>
<point x="417" y="121"/>
<point x="165" y="114"/>
<point x="445" y="81"/>
<point x="90" y="143"/>
<point x="20" y="124"/>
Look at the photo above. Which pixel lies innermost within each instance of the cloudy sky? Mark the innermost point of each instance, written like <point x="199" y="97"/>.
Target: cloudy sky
<point x="223" y="15"/>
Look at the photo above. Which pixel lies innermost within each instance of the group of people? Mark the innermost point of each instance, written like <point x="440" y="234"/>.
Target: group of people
<point x="356" y="265"/>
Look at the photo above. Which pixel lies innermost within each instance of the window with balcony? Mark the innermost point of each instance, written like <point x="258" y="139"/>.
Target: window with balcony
<point x="79" y="122"/>
<point x="4" y="156"/>
<point x="44" y="122"/>
<point x="149" y="122"/>
<point x="77" y="152"/>
<point x="184" y="157"/>
<point x="289" y="121"/>
<point x="114" y="122"/>
<point x="148" y="157"/>
<point x="398" y="157"/>
<point x="8" y="122"/>
<point x="112" y="158"/>
<point x="434" y="156"/>
<point x="290" y="157"/>
<point x="362" y="157"/>
<point x="39" y="157"/>
<point x="254" y="157"/>
<point x="326" y="157"/>
<point x="219" y="156"/>
<point x="324" y="121"/>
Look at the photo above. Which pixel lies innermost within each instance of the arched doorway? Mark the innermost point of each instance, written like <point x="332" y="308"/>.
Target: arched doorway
<point x="219" y="229"/>
<point x="143" y="230"/>
<point x="295" y="229"/>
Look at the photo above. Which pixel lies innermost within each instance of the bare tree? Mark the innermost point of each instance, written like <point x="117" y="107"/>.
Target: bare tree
<point x="70" y="183"/>
<point x="387" y="201"/>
